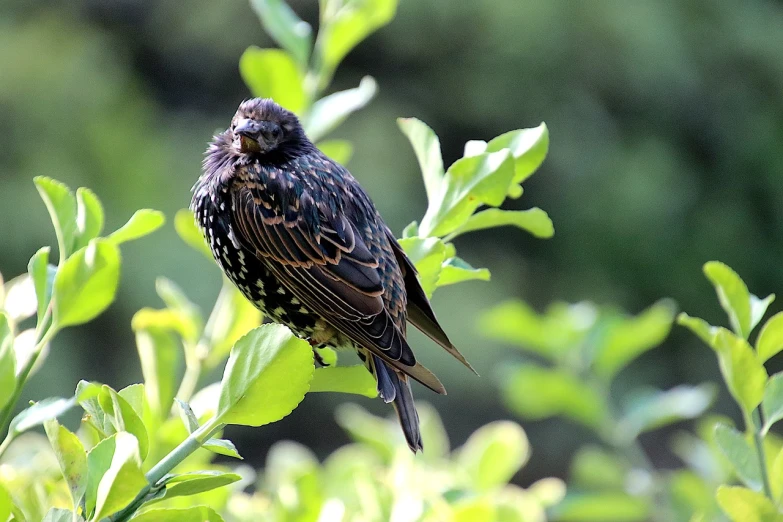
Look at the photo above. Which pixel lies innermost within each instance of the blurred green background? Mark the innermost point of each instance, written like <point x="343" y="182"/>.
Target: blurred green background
<point x="666" y="124"/>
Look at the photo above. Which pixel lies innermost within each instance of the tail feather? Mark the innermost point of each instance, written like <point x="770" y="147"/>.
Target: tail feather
<point x="395" y="387"/>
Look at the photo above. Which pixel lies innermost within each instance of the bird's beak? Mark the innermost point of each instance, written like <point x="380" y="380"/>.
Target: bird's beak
<point x="248" y="131"/>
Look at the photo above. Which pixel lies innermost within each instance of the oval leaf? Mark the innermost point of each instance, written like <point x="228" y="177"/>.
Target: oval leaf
<point x="533" y="220"/>
<point x="89" y="217"/>
<point x="288" y="30"/>
<point x="742" y="370"/>
<point x="7" y="362"/>
<point x="222" y="447"/>
<point x="42" y="275"/>
<point x="70" y="456"/>
<point x="188" y="231"/>
<point x="39" y="413"/>
<point x="529" y="148"/>
<point x="266" y="377"/>
<point x="427" y="148"/>
<point x="770" y="340"/>
<point x="143" y="223"/>
<point x="733" y="296"/>
<point x="122" y="480"/>
<point x="344" y="379"/>
<point x="493" y="454"/>
<point x="338" y="150"/>
<point x="330" y="111"/>
<point x="272" y="73"/>
<point x="748" y="506"/>
<point x="86" y="283"/>
<point x="61" y="205"/>
<point x="740" y="454"/>
<point x="195" y="482"/>
<point x="772" y="404"/>
<point x="191" y="514"/>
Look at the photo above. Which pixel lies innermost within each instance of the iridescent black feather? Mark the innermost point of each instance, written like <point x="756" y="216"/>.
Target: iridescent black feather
<point x="303" y="241"/>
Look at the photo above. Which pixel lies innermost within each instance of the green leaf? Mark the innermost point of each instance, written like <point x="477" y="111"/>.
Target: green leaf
<point x="191" y="514"/>
<point x="657" y="409"/>
<point x="551" y="335"/>
<point x="143" y="223"/>
<point x="330" y="111"/>
<point x="266" y="377"/>
<point x="61" y="205"/>
<point x="61" y="515"/>
<point x="175" y="299"/>
<point x="287" y="29"/>
<point x="770" y="340"/>
<point x="537" y="393"/>
<point x="5" y="504"/>
<point x="627" y="339"/>
<point x="468" y="183"/>
<point x="222" y="447"/>
<point x="602" y="507"/>
<point x="134" y="395"/>
<point x="594" y="468"/>
<point x="740" y="454"/>
<point x="758" y="307"/>
<point x="705" y="331"/>
<point x="122" y="479"/>
<point x="493" y="454"/>
<point x="743" y="372"/>
<point x="20" y="298"/>
<point x="272" y="73"/>
<point x="71" y="457"/>
<point x="776" y="475"/>
<point x="338" y="150"/>
<point x="39" y="413"/>
<point x="231" y="318"/>
<point x="86" y="283"/>
<point x="89" y="217"/>
<point x="188" y="231"/>
<point x="378" y="433"/>
<point x="188" y="417"/>
<point x="7" y="362"/>
<point x="744" y="505"/>
<point x="412" y="230"/>
<point x="772" y="404"/>
<point x="195" y="482"/>
<point x="528" y="147"/>
<point x="160" y="357"/>
<point x="343" y="25"/>
<point x="344" y="379"/>
<point x="42" y="275"/>
<point x="427" y="148"/>
<point x="732" y="294"/>
<point x="457" y="270"/>
<point x="124" y="418"/>
<point x="533" y="220"/>
<point x="428" y="254"/>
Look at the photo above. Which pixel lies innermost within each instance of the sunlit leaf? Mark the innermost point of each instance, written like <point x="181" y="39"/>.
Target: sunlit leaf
<point x="188" y="417"/>
<point x="266" y="377"/>
<point x="160" y="356"/>
<point x="61" y="204"/>
<point x="468" y="183"/>
<point x="287" y="29"/>
<point x="344" y="25"/>
<point x="772" y="403"/>
<point x="7" y="362"/>
<point x="428" y="254"/>
<point x="594" y="468"/>
<point x="20" y="298"/>
<point x="70" y="456"/>
<point x="42" y="275"/>
<point x="124" y="418"/>
<point x="537" y="393"/>
<point x="222" y="447"/>
<point x="195" y="482"/>
<point x="39" y="413"/>
<point x="770" y="339"/>
<point x="176" y="300"/>
<point x="380" y="434"/>
<point x="742" y="370"/>
<point x="758" y="307"/>
<point x="188" y="231"/>
<point x="344" y="379"/>
<point x="86" y="283"/>
<point x="427" y="148"/>
<point x="338" y="150"/>
<point x="627" y="339"/>
<point x="142" y="223"/>
<point x="732" y="294"/>
<point x="272" y="73"/>
<point x="602" y="507"/>
<point x="190" y="514"/>
<point x="457" y="270"/>
<point x="740" y="454"/>
<point x="330" y="111"/>
<point x="493" y="454"/>
<point x="89" y="217"/>
<point x="533" y="220"/>
<point x="748" y="506"/>
<point x="528" y="147"/>
<point x="700" y="327"/>
<point x="122" y="480"/>
<point x="232" y="317"/>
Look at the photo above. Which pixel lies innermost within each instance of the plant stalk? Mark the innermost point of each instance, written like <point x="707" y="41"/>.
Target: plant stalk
<point x="758" y="441"/>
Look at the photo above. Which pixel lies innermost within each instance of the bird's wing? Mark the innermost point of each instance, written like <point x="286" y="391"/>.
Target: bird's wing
<point x="315" y="251"/>
<point x="420" y="312"/>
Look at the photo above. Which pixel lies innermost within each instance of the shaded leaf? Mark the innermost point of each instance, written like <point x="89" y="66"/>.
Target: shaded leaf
<point x="288" y="30"/>
<point x="758" y="307"/>
<point x="344" y="379"/>
<point x="770" y="339"/>
<point x="89" y="217"/>
<point x="42" y="275"/>
<point x="266" y="377"/>
<point x="772" y="404"/>
<point x="602" y="507"/>
<point x="61" y="515"/>
<point x="71" y="457"/>
<point x="665" y="407"/>
<point x="142" y="223"/>
<point x="330" y="111"/>
<point x="86" y="283"/>
<point x="736" y="448"/>
<point x="427" y="148"/>
<point x="593" y="468"/>
<point x="272" y="73"/>
<point x="61" y="204"/>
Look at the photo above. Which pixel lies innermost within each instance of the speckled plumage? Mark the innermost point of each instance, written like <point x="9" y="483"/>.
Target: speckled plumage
<point x="295" y="232"/>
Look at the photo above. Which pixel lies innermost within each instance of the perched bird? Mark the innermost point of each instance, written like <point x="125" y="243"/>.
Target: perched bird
<point x="299" y="237"/>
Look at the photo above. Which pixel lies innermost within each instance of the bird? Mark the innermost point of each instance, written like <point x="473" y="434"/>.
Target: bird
<point x="302" y="241"/>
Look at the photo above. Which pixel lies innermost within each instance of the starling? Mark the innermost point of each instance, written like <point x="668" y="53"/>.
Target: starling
<point x="299" y="237"/>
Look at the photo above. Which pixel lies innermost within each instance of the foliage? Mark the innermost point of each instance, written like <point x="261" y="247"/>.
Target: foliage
<point x="140" y="452"/>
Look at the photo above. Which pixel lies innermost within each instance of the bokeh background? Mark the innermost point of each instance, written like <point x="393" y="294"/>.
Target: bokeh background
<point x="666" y="122"/>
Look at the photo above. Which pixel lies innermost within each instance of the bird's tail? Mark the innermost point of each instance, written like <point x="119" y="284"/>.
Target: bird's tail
<point x="395" y="387"/>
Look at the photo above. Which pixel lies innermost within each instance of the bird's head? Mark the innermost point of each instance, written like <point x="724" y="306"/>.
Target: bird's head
<point x="261" y="126"/>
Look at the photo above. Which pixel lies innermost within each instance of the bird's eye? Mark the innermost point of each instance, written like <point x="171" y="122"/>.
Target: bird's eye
<point x="276" y="133"/>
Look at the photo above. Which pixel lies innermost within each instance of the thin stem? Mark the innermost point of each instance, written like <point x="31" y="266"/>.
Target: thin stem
<point x="756" y="425"/>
